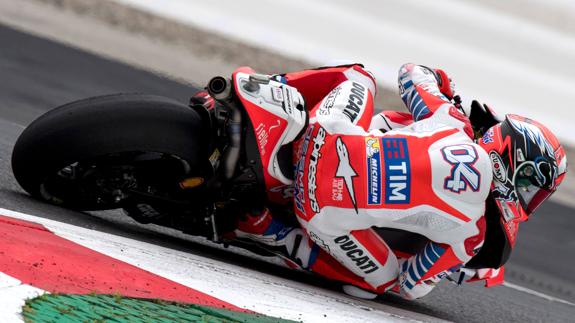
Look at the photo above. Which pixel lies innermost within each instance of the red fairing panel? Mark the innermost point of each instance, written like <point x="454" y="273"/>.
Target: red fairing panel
<point x="268" y="129"/>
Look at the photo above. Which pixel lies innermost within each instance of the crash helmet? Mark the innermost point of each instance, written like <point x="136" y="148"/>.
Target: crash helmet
<point x="528" y="165"/>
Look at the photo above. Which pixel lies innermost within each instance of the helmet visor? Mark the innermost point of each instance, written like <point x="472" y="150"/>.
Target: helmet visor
<point x="530" y="185"/>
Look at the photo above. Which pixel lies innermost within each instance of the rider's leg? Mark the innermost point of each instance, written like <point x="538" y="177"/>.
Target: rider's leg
<point x="294" y="244"/>
<point x="369" y="261"/>
<point x="418" y="274"/>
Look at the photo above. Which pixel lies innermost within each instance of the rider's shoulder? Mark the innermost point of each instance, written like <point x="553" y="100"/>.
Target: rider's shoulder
<point x="341" y="62"/>
<point x="353" y="70"/>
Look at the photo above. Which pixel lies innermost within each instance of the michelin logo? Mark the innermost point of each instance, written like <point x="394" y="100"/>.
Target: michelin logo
<point x="373" y="159"/>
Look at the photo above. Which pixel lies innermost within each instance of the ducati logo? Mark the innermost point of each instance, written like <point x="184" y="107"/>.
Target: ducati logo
<point x="355" y="101"/>
<point x="345" y="171"/>
<point x="356" y="254"/>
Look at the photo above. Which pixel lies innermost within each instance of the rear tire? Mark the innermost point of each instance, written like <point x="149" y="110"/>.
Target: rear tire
<point x="97" y="127"/>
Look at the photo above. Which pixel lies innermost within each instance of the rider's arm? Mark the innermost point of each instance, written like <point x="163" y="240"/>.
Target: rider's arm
<point x="388" y="120"/>
<point x="340" y="98"/>
<point x="315" y="84"/>
<point x="346" y="110"/>
<point x="427" y="93"/>
<point x="420" y="273"/>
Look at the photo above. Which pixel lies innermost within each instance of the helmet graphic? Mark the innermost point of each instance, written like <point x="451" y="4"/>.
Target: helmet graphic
<point x="528" y="165"/>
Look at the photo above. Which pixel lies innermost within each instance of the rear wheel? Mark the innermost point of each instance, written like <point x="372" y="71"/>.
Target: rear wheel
<point x="114" y="151"/>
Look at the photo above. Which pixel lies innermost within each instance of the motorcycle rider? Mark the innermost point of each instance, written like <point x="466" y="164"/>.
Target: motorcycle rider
<point x="421" y="172"/>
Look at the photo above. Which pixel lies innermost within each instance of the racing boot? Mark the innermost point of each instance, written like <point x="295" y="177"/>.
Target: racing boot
<point x="290" y="243"/>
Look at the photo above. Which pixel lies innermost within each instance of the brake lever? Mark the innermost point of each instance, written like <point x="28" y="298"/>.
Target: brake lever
<point x="457" y="103"/>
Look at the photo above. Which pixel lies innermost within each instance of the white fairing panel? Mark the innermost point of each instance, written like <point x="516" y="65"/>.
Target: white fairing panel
<point x="283" y="101"/>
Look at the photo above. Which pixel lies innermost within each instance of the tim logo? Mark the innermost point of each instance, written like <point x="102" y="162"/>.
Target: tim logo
<point x="397" y="171"/>
<point x="373" y="159"/>
<point x="463" y="174"/>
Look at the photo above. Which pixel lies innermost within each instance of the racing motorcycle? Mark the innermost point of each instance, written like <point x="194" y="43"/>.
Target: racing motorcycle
<point x="180" y="166"/>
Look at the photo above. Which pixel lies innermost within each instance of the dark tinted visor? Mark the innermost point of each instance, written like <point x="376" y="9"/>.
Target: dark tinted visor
<point x="530" y="186"/>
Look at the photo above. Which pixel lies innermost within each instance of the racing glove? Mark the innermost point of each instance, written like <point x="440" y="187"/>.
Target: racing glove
<point x="445" y="83"/>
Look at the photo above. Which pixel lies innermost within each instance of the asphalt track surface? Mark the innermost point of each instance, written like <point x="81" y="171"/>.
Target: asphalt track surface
<point x="37" y="75"/>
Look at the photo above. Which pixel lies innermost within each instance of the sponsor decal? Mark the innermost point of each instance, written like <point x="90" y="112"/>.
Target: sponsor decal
<point x="299" y="172"/>
<point x="488" y="136"/>
<point x="508" y="214"/>
<point x="397" y="171"/>
<point x="318" y="142"/>
<point x="277" y="93"/>
<point x="319" y="241"/>
<point x="357" y="255"/>
<point x="345" y="171"/>
<point x="288" y="103"/>
<point x="272" y="127"/>
<point x="499" y="171"/>
<point x="337" y="189"/>
<point x="463" y="174"/>
<point x="520" y="156"/>
<point x="355" y="101"/>
<point x="287" y="191"/>
<point x="511" y="228"/>
<point x="262" y="135"/>
<point x="329" y="101"/>
<point x="373" y="159"/>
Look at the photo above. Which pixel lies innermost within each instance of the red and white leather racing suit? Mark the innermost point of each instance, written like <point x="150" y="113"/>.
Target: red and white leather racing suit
<point x="425" y="176"/>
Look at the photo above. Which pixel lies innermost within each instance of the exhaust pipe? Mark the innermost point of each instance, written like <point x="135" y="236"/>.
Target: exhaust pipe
<point x="220" y="88"/>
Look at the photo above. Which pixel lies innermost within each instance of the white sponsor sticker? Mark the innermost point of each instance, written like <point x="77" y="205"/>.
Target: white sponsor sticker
<point x="499" y="170"/>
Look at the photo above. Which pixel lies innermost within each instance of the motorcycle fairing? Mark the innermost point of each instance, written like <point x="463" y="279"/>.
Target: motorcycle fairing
<point x="277" y="118"/>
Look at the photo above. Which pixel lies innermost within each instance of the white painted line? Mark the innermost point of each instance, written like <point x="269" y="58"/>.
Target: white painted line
<point x="246" y="288"/>
<point x="8" y="281"/>
<point x="13" y="295"/>
<point x="538" y="294"/>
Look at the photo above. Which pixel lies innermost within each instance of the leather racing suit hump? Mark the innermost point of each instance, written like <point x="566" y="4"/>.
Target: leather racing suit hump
<point x="428" y="177"/>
